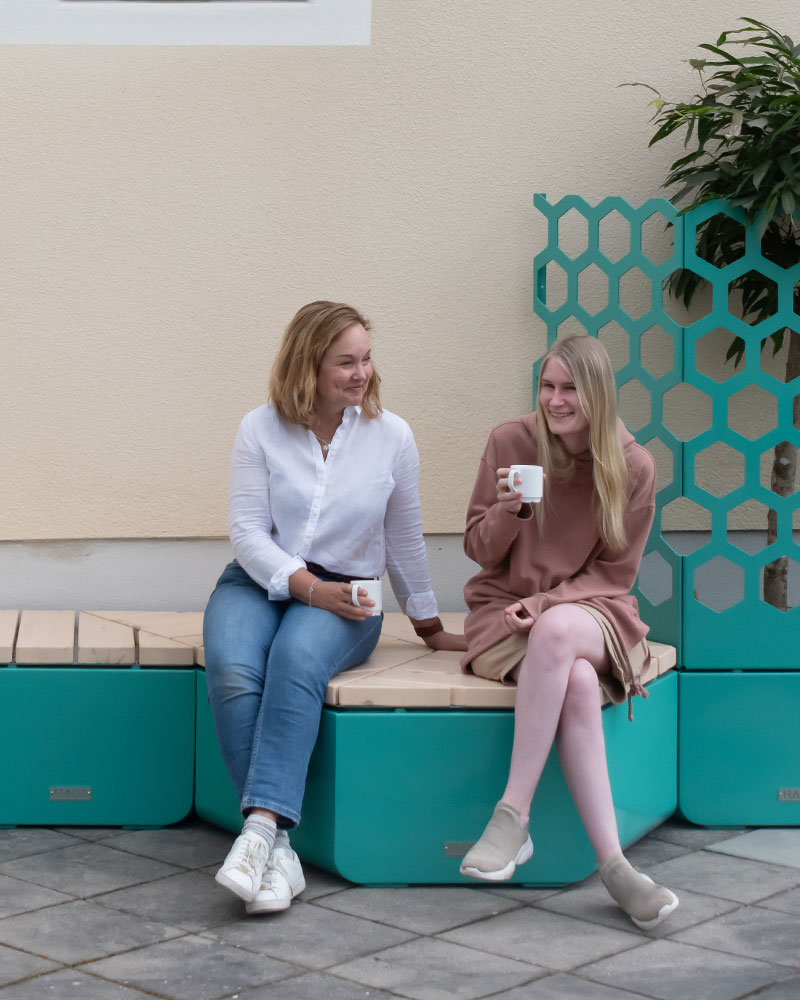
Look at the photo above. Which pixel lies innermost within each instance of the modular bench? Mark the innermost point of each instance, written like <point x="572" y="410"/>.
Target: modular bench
<point x="104" y="720"/>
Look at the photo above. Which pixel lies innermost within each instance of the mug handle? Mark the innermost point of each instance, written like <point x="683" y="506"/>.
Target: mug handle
<point x="354" y="596"/>
<point x="512" y="475"/>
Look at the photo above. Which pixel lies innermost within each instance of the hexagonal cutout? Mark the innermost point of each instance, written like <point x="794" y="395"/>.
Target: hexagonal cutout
<point x="753" y="296"/>
<point x="720" y="240"/>
<point x="686" y="297"/>
<point x="687" y="411"/>
<point x="752" y="412"/>
<point x="617" y="342"/>
<point x="779" y="468"/>
<point x="780" y="583"/>
<point x="662" y="456"/>
<point x="615" y="235"/>
<point x="719" y="584"/>
<point x="711" y="355"/>
<point x="747" y="525"/>
<point x="719" y="469"/>
<point x="658" y="238"/>
<point x="573" y="233"/>
<point x="657" y="352"/>
<point x="635" y="293"/>
<point x="779" y="352"/>
<point x="685" y="525"/>
<point x="555" y="285"/>
<point x="779" y="250"/>
<point x="593" y="289"/>
<point x="634" y="405"/>
<point x="655" y="578"/>
<point x="571" y="327"/>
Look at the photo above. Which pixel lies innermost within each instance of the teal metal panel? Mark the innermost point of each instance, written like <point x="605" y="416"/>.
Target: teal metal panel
<point x="214" y="795"/>
<point x="96" y="746"/>
<point x="659" y="603"/>
<point x="739" y="748"/>
<point x="393" y="788"/>
<point x="682" y="610"/>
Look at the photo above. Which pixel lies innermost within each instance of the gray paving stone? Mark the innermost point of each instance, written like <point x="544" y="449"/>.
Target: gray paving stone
<point x="92" y="833"/>
<point x="80" y="931"/>
<point x="668" y="970"/>
<point x="592" y="902"/>
<point x="715" y="874"/>
<point x="19" y="897"/>
<point x="779" y="846"/>
<point x="191" y="900"/>
<point x="565" y="986"/>
<point x="650" y="851"/>
<point x="69" y="984"/>
<point x="309" y="935"/>
<point x="752" y="931"/>
<point x="191" y="968"/>
<point x="16" y="965"/>
<point x="789" y="989"/>
<point x="786" y="902"/>
<point x="86" y="869"/>
<point x="679" y="831"/>
<point x="322" y="883"/>
<point x="428" y="969"/>
<point x="190" y="846"/>
<point x="26" y="840"/>
<point x="543" y="938"/>
<point x="421" y="910"/>
<point x="518" y="893"/>
<point x="315" y="986"/>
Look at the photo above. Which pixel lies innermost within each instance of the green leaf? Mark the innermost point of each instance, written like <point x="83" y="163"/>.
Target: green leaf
<point x="699" y="64"/>
<point x="788" y="202"/>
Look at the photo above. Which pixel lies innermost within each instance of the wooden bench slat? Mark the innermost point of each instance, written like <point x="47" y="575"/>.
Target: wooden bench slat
<point x="46" y="637"/>
<point x="8" y="633"/>
<point x="102" y="641"/>
<point x="158" y="651"/>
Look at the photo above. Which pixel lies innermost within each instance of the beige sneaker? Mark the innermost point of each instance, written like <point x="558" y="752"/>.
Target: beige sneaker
<point x="645" y="902"/>
<point x="505" y="843"/>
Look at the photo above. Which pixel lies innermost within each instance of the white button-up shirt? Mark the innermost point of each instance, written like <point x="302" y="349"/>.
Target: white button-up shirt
<point x="357" y="513"/>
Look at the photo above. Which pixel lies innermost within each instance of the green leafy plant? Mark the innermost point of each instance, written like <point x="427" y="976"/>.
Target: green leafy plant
<point x="743" y="133"/>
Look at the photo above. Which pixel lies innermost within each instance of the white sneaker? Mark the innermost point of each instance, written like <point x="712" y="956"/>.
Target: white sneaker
<point x="244" y="866"/>
<point x="282" y="881"/>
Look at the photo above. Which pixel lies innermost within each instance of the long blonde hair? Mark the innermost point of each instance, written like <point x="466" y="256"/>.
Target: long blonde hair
<point x="589" y="366"/>
<point x="293" y="380"/>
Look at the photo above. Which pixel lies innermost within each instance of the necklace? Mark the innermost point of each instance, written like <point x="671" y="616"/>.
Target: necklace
<point x="325" y="445"/>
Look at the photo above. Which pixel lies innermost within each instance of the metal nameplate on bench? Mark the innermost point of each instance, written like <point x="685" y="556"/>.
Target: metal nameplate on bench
<point x="789" y="795"/>
<point x="457" y="848"/>
<point x="70" y="794"/>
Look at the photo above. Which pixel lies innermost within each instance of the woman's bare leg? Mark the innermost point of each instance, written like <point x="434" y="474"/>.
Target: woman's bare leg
<point x="582" y="753"/>
<point x="561" y="635"/>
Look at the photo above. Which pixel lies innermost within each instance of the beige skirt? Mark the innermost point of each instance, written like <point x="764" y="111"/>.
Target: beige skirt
<point x="627" y="666"/>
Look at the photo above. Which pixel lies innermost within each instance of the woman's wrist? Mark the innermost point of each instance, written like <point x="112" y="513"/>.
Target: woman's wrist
<point x="426" y="627"/>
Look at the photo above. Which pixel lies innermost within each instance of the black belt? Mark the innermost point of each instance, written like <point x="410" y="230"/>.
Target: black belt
<point x="318" y="570"/>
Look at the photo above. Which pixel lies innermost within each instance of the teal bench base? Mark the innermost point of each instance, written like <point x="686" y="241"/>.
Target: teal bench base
<point x="740" y="752"/>
<point x="96" y="747"/>
<point x="395" y="796"/>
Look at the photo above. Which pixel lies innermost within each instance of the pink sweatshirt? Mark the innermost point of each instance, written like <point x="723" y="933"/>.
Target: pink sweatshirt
<point x="569" y="563"/>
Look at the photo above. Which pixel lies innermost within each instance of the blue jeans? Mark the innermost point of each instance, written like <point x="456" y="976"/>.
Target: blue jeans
<point x="268" y="664"/>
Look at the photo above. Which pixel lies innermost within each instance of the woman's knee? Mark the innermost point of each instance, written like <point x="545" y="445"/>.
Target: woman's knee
<point x="582" y="697"/>
<point x="554" y="634"/>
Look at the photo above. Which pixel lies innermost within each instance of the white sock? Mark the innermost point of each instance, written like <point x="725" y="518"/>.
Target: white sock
<point x="263" y="827"/>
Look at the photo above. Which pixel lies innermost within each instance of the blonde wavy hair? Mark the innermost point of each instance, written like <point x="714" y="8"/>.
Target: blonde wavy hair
<point x="589" y="366"/>
<point x="293" y="379"/>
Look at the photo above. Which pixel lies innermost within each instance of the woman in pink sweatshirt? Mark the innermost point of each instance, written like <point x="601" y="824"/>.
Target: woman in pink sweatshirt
<point x="551" y="607"/>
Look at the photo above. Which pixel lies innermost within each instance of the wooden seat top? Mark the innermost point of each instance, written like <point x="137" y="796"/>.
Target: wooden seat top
<point x="402" y="671"/>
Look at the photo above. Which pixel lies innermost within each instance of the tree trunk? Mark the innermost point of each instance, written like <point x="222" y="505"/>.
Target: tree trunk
<point x="784" y="470"/>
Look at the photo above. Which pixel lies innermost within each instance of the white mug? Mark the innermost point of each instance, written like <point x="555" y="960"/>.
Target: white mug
<point x="527" y="480"/>
<point x="374" y="593"/>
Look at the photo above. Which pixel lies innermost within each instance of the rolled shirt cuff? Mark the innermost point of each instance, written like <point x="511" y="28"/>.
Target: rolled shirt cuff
<point x="278" y="588"/>
<point x="422" y="605"/>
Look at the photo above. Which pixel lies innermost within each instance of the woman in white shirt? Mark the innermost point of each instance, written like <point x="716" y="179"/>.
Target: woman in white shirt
<point x="323" y="491"/>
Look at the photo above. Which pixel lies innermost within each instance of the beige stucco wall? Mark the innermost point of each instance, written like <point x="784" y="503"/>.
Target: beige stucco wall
<point x="165" y="211"/>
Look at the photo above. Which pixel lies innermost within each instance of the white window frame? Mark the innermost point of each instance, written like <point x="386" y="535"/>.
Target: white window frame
<point x="234" y="22"/>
